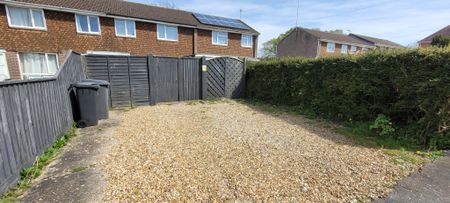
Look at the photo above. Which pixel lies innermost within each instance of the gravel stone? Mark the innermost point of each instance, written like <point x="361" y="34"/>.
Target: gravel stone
<point x="228" y="151"/>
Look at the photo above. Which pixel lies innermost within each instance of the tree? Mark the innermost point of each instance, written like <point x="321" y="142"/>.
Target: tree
<point x="440" y="41"/>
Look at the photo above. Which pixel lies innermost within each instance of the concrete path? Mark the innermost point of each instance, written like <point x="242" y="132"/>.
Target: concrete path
<point x="73" y="176"/>
<point x="431" y="184"/>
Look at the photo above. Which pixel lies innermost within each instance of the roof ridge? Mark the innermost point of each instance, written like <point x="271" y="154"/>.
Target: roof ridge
<point x="150" y="5"/>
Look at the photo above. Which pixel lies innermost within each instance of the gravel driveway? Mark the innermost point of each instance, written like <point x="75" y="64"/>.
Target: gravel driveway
<point x="228" y="151"/>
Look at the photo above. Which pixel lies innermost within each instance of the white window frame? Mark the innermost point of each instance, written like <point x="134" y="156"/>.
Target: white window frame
<point x="328" y="47"/>
<point x="6" y="73"/>
<point x="33" y="27"/>
<point x="346" y="49"/>
<point x="126" y="28"/>
<point x="218" y="33"/>
<point x="42" y="75"/>
<point x="353" y="51"/>
<point x="165" y="32"/>
<point x="251" y="41"/>
<point x="89" y="25"/>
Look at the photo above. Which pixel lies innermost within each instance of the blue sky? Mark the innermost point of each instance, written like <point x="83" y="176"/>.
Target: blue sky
<point x="401" y="21"/>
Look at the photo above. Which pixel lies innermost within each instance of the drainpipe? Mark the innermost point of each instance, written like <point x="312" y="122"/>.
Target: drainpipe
<point x="195" y="41"/>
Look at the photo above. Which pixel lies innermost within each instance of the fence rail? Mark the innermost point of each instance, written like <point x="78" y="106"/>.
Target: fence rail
<point x="33" y="114"/>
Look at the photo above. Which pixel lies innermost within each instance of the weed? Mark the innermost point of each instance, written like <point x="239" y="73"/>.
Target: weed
<point x="78" y="169"/>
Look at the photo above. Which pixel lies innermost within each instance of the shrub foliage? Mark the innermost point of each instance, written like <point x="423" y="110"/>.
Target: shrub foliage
<point x="410" y="87"/>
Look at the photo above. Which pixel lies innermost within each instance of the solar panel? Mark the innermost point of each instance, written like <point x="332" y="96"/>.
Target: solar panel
<point x="220" y="21"/>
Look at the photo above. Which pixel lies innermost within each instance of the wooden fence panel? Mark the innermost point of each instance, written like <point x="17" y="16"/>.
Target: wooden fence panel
<point x="33" y="114"/>
<point x="141" y="80"/>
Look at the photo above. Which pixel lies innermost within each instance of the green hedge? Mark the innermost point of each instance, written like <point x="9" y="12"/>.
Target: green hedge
<point x="411" y="87"/>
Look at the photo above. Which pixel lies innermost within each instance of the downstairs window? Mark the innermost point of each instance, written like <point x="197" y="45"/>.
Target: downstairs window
<point x="38" y="65"/>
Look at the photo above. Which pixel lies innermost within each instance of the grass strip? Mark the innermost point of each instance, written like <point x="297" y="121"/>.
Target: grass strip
<point x="27" y="175"/>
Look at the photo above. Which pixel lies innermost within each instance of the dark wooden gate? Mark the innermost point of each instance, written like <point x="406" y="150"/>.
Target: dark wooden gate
<point x="226" y="77"/>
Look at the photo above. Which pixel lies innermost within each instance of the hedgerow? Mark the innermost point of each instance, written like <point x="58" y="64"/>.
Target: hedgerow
<point x="410" y="87"/>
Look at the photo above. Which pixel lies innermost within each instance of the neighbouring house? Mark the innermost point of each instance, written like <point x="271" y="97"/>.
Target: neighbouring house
<point x="35" y="34"/>
<point x="426" y="42"/>
<point x="376" y="42"/>
<point x="314" y="43"/>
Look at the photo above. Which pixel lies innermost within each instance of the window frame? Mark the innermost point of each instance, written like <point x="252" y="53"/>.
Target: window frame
<point x="126" y="28"/>
<point x="89" y="25"/>
<point x="30" y="10"/>
<point x="165" y="32"/>
<point x="6" y="73"/>
<point x="251" y="40"/>
<point x="219" y="32"/>
<point x="328" y="47"/>
<point x="346" y="49"/>
<point x="23" y="74"/>
<point x="351" y="49"/>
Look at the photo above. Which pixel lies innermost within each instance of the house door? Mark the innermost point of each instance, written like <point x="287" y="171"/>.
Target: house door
<point x="4" y="72"/>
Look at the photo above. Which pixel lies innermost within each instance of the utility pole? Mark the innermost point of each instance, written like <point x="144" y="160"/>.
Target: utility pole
<point x="240" y="14"/>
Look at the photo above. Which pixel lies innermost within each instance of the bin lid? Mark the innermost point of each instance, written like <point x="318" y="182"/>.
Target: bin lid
<point x="102" y="83"/>
<point x="86" y="85"/>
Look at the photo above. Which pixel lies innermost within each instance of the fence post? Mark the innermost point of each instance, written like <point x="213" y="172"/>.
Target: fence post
<point x="244" y="78"/>
<point x="129" y="82"/>
<point x="204" y="80"/>
<point x="109" y="80"/>
<point x="180" y="80"/>
<point x="151" y="75"/>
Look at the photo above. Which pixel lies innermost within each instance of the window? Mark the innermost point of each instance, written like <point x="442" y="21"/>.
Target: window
<point x="26" y="18"/>
<point x="38" y="65"/>
<point x="167" y="32"/>
<point x="4" y="72"/>
<point x="330" y="47"/>
<point x="247" y="41"/>
<point x="125" y="28"/>
<point x="364" y="49"/>
<point x="87" y="24"/>
<point x="344" y="49"/>
<point x="353" y="50"/>
<point x="220" y="38"/>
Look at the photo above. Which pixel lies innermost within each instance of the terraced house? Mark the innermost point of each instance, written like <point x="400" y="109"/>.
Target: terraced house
<point x="315" y="43"/>
<point x="35" y="34"/>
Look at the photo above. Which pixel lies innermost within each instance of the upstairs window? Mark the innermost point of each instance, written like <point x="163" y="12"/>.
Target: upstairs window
<point x="353" y="50"/>
<point x="344" y="49"/>
<point x="4" y="72"/>
<point x="26" y="18"/>
<point x="167" y="32"/>
<point x="87" y="24"/>
<point x="125" y="28"/>
<point x="247" y="41"/>
<point x="330" y="47"/>
<point x="220" y="38"/>
<point x="38" y="65"/>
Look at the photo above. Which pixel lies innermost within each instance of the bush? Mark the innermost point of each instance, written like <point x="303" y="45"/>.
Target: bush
<point x="411" y="87"/>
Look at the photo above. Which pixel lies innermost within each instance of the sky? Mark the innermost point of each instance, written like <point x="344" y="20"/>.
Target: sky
<point x="401" y="21"/>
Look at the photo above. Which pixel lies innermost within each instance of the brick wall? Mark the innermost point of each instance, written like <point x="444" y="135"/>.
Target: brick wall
<point x="337" y="49"/>
<point x="234" y="47"/>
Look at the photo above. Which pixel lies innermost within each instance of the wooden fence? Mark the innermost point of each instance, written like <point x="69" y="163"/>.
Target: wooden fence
<point x="33" y="114"/>
<point x="144" y="80"/>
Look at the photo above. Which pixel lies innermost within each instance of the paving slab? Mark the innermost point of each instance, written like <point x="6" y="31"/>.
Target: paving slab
<point x="74" y="175"/>
<point x="431" y="184"/>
